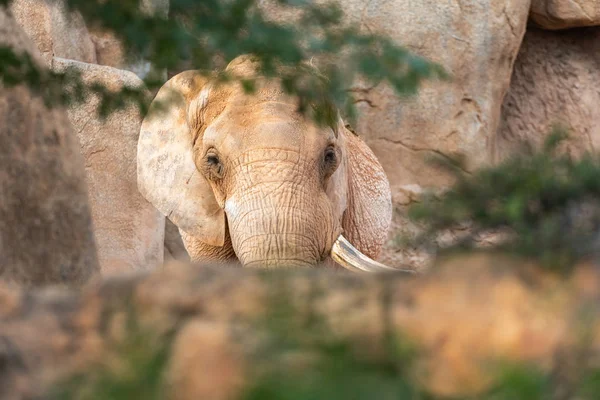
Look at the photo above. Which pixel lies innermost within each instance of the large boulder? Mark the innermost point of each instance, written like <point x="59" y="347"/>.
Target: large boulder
<point x="111" y="51"/>
<point x="555" y="82"/>
<point x="561" y="14"/>
<point x="63" y="34"/>
<point x="476" y="41"/>
<point x="129" y="230"/>
<point x="46" y="231"/>
<point x="55" y="32"/>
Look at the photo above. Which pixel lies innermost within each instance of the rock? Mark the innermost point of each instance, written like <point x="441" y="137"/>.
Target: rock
<point x="70" y="34"/>
<point x="561" y="14"/>
<point x="58" y="33"/>
<point x="468" y="312"/>
<point x="174" y="247"/>
<point x="35" y="18"/>
<point x="476" y="41"/>
<point x="110" y="50"/>
<point x="46" y="234"/>
<point x="55" y="32"/>
<point x="555" y="82"/>
<point x="409" y="194"/>
<point x="129" y="230"/>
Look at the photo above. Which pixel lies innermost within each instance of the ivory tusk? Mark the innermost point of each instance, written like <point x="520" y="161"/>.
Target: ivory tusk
<point x="349" y="257"/>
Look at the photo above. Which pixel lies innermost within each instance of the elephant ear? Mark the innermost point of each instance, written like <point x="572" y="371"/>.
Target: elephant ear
<point x="166" y="172"/>
<point x="337" y="188"/>
<point x="369" y="210"/>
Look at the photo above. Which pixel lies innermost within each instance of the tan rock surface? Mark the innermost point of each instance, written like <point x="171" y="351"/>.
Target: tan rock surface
<point x="129" y="230"/>
<point x="556" y="81"/>
<point x="476" y="41"/>
<point x="471" y="311"/>
<point x="58" y="33"/>
<point x="561" y="14"/>
<point x="174" y="247"/>
<point x="110" y="50"/>
<point x="55" y="32"/>
<point x="46" y="231"/>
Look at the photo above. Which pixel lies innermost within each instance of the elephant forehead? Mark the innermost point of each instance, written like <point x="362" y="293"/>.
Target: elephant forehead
<point x="273" y="168"/>
<point x="268" y="161"/>
<point x="241" y="129"/>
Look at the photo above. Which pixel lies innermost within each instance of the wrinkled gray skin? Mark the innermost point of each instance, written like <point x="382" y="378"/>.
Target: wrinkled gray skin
<point x="248" y="177"/>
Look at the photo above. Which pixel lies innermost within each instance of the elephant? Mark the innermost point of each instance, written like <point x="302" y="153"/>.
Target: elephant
<point x="247" y="178"/>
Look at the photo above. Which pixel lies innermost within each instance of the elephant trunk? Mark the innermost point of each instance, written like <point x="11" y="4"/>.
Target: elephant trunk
<point x="279" y="224"/>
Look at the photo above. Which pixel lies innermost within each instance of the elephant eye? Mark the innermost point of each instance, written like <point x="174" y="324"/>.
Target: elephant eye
<point x="330" y="161"/>
<point x="330" y="155"/>
<point x="214" y="166"/>
<point x="212" y="159"/>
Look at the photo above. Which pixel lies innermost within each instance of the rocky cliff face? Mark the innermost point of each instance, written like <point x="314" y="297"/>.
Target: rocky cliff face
<point x="58" y="33"/>
<point x="477" y="43"/>
<point x="510" y="83"/>
<point x="46" y="234"/>
<point x="555" y="81"/>
<point x="129" y="231"/>
<point x="54" y="31"/>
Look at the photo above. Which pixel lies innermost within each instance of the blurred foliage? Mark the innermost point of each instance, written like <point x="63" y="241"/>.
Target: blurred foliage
<point x="590" y="386"/>
<point x="339" y="374"/>
<point x="295" y="355"/>
<point x="64" y="87"/>
<point x="302" y="358"/>
<point x="132" y="369"/>
<point x="544" y="204"/>
<point x="209" y="33"/>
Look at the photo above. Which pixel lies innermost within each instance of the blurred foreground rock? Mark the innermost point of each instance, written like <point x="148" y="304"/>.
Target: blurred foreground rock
<point x="46" y="228"/>
<point x="471" y="311"/>
<point x="129" y="231"/>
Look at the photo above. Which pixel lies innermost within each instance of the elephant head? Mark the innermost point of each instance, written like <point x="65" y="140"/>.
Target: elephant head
<point x="247" y="176"/>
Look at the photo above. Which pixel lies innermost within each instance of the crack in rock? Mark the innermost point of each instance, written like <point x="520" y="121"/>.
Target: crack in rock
<point x="420" y="150"/>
